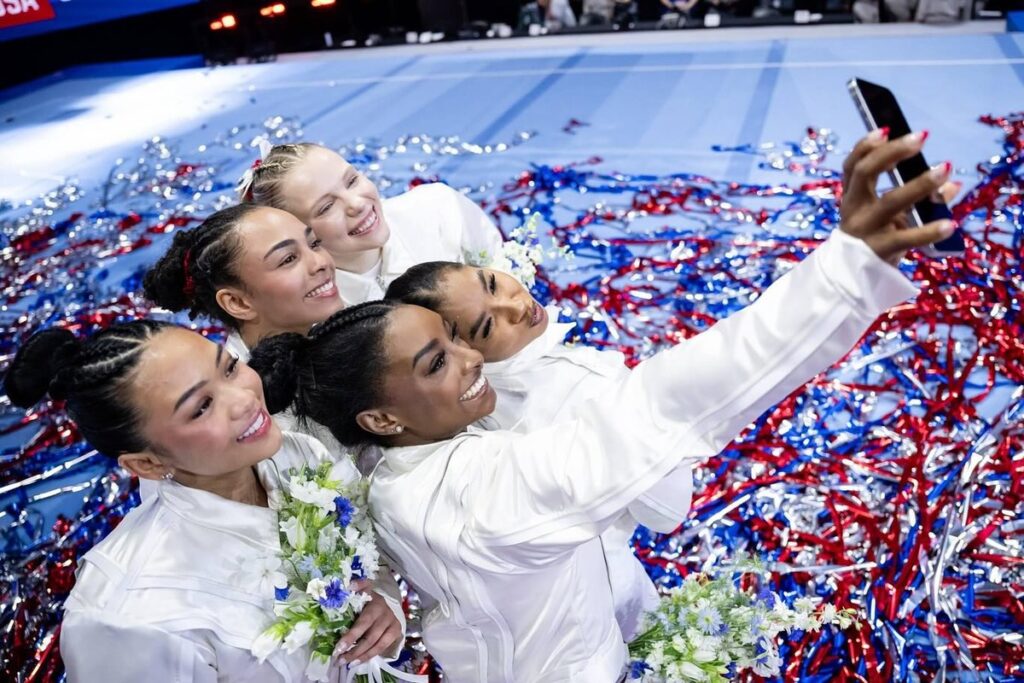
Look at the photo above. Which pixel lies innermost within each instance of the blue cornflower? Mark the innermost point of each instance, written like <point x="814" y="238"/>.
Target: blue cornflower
<point x="766" y="597"/>
<point x="357" y="568"/>
<point x="335" y="596"/>
<point x="281" y="594"/>
<point x="344" y="509"/>
<point x="637" y="668"/>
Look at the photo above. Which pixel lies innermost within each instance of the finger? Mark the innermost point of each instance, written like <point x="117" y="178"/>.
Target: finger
<point x="865" y="145"/>
<point x="900" y="200"/>
<point x="359" y="628"/>
<point x="936" y="231"/>
<point x="864" y="176"/>
<point x="370" y="645"/>
<point x="949" y="191"/>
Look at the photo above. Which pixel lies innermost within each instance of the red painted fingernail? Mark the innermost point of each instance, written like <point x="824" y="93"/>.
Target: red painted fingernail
<point x="884" y="132"/>
<point x="924" y="135"/>
<point x="949" y="167"/>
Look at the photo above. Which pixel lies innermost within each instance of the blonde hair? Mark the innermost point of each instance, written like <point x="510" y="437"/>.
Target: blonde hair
<point x="262" y="183"/>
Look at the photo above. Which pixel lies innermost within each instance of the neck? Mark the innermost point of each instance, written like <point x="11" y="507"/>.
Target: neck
<point x="358" y="262"/>
<point x="253" y="332"/>
<point x="241" y="486"/>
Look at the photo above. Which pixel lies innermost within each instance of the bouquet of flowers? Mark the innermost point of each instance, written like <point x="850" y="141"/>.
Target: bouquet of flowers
<point x="327" y="544"/>
<point x="711" y="630"/>
<point x="521" y="254"/>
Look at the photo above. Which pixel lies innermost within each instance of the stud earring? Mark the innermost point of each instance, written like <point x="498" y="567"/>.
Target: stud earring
<point x="168" y="476"/>
<point x="399" y="429"/>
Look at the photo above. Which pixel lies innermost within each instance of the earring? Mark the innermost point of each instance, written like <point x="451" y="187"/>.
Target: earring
<point x="167" y="476"/>
<point x="399" y="429"/>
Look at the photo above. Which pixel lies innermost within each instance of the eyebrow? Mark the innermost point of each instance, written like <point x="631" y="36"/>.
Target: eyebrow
<point x="198" y="385"/>
<point x="425" y="350"/>
<point x="280" y="245"/>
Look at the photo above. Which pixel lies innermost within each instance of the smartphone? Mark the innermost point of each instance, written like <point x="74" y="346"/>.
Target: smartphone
<point x="878" y="107"/>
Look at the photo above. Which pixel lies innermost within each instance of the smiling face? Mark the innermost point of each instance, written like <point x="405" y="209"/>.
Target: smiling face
<point x="433" y="385"/>
<point x="492" y="311"/>
<point x="288" y="277"/>
<point x="201" y="409"/>
<point x="341" y="204"/>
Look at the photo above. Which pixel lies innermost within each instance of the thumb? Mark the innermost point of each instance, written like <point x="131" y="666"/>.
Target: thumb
<point x="936" y="231"/>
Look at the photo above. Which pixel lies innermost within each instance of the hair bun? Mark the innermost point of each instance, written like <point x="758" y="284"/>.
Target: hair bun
<point x="277" y="360"/>
<point x="35" y="370"/>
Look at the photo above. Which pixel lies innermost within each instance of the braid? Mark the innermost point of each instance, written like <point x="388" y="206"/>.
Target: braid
<point x="421" y="285"/>
<point x="333" y="374"/>
<point x="199" y="263"/>
<point x="91" y="376"/>
<point x="265" y="185"/>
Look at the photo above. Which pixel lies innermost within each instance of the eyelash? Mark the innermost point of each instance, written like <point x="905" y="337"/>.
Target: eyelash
<point x="439" y="359"/>
<point x="351" y="183"/>
<point x="205" y="405"/>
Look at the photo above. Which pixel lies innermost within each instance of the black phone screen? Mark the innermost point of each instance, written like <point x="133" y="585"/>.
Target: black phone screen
<point x="883" y="110"/>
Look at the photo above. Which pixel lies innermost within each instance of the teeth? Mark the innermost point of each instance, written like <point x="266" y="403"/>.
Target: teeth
<point x="365" y="224"/>
<point x="254" y="427"/>
<point x="322" y="289"/>
<point x="474" y="391"/>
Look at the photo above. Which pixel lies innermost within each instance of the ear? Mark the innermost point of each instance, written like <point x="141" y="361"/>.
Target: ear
<point x="235" y="303"/>
<point x="143" y="464"/>
<point x="379" y="422"/>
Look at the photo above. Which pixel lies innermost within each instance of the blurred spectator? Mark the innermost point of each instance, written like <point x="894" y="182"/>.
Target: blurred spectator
<point x="620" y="13"/>
<point x="677" y="12"/>
<point x="551" y="14"/>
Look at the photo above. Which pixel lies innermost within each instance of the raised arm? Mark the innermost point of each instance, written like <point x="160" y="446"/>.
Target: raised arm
<point x="545" y="492"/>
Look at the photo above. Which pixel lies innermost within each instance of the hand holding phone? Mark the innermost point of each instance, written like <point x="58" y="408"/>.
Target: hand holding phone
<point x="879" y="109"/>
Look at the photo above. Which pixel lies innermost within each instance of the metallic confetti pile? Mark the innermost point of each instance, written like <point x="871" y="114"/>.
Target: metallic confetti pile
<point x="891" y="483"/>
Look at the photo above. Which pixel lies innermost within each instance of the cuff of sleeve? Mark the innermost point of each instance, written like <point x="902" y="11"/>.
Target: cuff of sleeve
<point x="867" y="282"/>
<point x="395" y="651"/>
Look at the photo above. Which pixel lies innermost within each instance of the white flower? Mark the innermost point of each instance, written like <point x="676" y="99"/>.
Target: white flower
<point x="266" y="644"/>
<point x="299" y="636"/>
<point x="692" y="672"/>
<point x="263" y="573"/>
<point x="328" y="538"/>
<point x="828" y="614"/>
<point x="318" y="667"/>
<point x="358" y="600"/>
<point x="806" y="622"/>
<point x="316" y="588"/>
<point x="804" y="604"/>
<point x="294" y="532"/>
<point x="704" y="656"/>
<point x="314" y="494"/>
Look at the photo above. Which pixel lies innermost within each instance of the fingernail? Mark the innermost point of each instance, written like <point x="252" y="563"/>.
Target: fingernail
<point x="947" y="228"/>
<point x="920" y="136"/>
<point x="940" y="172"/>
<point x="342" y="647"/>
<point x="883" y="132"/>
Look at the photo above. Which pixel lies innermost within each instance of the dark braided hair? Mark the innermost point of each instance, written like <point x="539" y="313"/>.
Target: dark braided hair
<point x="91" y="376"/>
<point x="421" y="284"/>
<point x="333" y="374"/>
<point x="200" y="262"/>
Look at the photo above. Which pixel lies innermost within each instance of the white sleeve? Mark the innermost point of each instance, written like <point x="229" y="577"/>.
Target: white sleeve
<point x="387" y="588"/>
<point x="478" y="234"/>
<point x="563" y="485"/>
<point x="99" y="649"/>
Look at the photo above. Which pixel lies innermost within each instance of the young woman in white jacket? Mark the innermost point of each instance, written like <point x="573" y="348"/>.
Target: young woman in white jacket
<point x="182" y="588"/>
<point x="499" y="530"/>
<point x="260" y="271"/>
<point x="372" y="240"/>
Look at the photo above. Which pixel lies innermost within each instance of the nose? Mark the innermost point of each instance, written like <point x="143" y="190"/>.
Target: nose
<point x="242" y="402"/>
<point x="318" y="261"/>
<point x="514" y="308"/>
<point x="355" y="204"/>
<point x="471" y="358"/>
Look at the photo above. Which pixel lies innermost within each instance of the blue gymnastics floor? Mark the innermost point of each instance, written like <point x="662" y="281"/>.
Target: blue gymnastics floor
<point x="100" y="162"/>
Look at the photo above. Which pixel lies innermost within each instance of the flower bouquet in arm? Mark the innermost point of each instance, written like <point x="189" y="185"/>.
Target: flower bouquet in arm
<point x="328" y="554"/>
